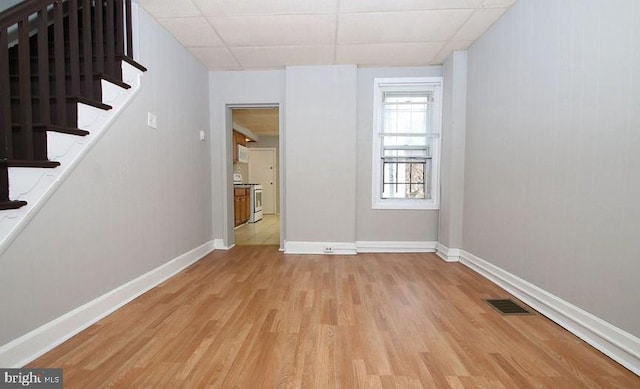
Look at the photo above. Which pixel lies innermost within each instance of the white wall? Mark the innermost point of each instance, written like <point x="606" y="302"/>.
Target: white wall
<point x="453" y="149"/>
<point x="140" y="198"/>
<point x="552" y="164"/>
<point x="328" y="114"/>
<point x="387" y="224"/>
<point x="237" y="89"/>
<point x="320" y="154"/>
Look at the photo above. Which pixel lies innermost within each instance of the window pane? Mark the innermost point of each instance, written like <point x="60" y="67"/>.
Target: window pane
<point x="400" y="97"/>
<point x="418" y="191"/>
<point x="403" y="191"/>
<point x="403" y="180"/>
<point x="405" y="153"/>
<point x="405" y="112"/>
<point x="388" y="140"/>
<point x="390" y="174"/>
<point x="416" y="173"/>
<point x="390" y="122"/>
<point x="404" y="120"/>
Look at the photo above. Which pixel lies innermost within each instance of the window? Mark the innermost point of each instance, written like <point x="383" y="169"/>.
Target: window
<point x="406" y="143"/>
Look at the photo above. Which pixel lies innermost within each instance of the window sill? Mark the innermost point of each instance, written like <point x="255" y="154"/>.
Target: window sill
<point x="406" y="205"/>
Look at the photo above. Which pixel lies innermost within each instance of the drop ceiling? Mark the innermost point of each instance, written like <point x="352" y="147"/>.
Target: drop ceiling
<point x="271" y="34"/>
<point x="260" y="121"/>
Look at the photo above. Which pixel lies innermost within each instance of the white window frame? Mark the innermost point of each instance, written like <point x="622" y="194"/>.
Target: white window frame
<point x="406" y="83"/>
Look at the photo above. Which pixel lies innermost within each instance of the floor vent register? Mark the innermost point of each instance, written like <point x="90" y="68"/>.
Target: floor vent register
<point x="507" y="307"/>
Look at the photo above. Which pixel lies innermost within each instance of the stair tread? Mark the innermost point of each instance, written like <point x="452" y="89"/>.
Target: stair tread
<point x="52" y="75"/>
<point x="112" y="80"/>
<point x="88" y="101"/>
<point x="132" y="62"/>
<point x="12" y="204"/>
<point x="28" y="163"/>
<point x="72" y="99"/>
<point x="67" y="56"/>
<point x="96" y="76"/>
<point x="55" y="128"/>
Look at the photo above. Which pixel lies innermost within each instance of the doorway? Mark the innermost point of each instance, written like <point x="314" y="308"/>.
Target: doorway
<point x="256" y="143"/>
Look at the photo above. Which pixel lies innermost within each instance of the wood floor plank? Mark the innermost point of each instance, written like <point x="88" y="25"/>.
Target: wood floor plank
<point x="252" y="317"/>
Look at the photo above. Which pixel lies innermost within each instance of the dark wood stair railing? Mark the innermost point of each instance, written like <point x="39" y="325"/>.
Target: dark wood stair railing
<point x="55" y="54"/>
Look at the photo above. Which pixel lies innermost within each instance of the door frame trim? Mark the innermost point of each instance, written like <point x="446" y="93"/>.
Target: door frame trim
<point x="228" y="228"/>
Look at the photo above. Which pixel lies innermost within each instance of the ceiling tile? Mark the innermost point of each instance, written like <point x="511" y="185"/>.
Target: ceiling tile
<point x="395" y="27"/>
<point x="262" y="7"/>
<point x="405" y="5"/>
<point x="250" y="34"/>
<point x="261" y="121"/>
<point x="192" y="31"/>
<point x="216" y="58"/>
<point x="273" y="57"/>
<point x="388" y="54"/>
<point x="170" y="8"/>
<point x="478" y="23"/>
<point x="450" y="47"/>
<point x="282" y="30"/>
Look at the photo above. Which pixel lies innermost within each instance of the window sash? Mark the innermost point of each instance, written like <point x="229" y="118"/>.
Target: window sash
<point x="405" y="179"/>
<point x="406" y="134"/>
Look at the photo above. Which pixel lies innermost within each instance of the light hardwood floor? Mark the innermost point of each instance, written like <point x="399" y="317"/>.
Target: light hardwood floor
<point x="252" y="317"/>
<point x="264" y="232"/>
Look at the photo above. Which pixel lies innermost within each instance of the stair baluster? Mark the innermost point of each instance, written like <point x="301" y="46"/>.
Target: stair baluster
<point x="110" y="41"/>
<point x="60" y="77"/>
<point x="5" y="103"/>
<point x="87" y="51"/>
<point x="74" y="49"/>
<point x="55" y="54"/>
<point x="23" y="150"/>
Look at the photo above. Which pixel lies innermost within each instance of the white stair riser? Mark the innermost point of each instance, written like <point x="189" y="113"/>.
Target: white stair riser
<point x="34" y="185"/>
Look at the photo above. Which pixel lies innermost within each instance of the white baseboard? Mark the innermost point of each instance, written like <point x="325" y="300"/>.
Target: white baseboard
<point x="447" y="254"/>
<point x="30" y="346"/>
<point x="218" y="244"/>
<point x="348" y="248"/>
<point x="395" y="247"/>
<point x="619" y="345"/>
<point x="336" y="248"/>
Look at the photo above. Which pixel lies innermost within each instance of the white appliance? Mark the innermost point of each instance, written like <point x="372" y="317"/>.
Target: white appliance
<point x="255" y="192"/>
<point x="256" y="203"/>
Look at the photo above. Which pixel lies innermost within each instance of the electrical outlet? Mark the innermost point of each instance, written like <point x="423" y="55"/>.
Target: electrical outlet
<point x="328" y="249"/>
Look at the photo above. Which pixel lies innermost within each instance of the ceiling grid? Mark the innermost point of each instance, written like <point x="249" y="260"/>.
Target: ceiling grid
<point x="272" y="34"/>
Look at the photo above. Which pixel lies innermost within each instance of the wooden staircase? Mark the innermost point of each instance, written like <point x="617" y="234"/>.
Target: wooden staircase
<point x="57" y="54"/>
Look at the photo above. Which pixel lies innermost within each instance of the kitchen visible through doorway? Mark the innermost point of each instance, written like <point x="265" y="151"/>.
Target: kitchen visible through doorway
<point x="256" y="134"/>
